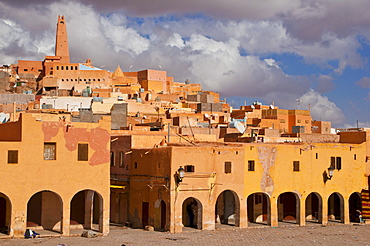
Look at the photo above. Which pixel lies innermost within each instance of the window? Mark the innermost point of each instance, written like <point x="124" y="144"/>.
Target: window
<point x="49" y="151"/>
<point x="135" y="164"/>
<point x="354" y="157"/>
<point x="339" y="163"/>
<point x="12" y="156"/>
<point x="295" y="166"/>
<point x="251" y="165"/>
<point x="189" y="168"/>
<point x="317" y="155"/>
<point x="25" y="69"/>
<point x="83" y="152"/>
<point x="121" y="159"/>
<point x="336" y="162"/>
<point x="227" y="167"/>
<point x="112" y="162"/>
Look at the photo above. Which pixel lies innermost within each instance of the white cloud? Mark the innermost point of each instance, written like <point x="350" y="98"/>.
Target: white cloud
<point x="321" y="107"/>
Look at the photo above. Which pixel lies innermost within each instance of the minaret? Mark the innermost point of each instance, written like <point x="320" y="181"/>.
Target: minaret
<point x="61" y="44"/>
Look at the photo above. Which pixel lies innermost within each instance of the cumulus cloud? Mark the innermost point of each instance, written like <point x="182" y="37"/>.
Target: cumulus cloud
<point x="364" y="82"/>
<point x="322" y="108"/>
<point x="325" y="83"/>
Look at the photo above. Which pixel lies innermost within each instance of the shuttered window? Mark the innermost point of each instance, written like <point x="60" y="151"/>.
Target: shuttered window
<point x="49" y="151"/>
<point x="83" y="152"/>
<point x="12" y="156"/>
<point x="227" y="167"/>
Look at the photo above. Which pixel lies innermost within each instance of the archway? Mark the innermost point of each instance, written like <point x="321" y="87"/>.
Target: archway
<point x="227" y="208"/>
<point x="86" y="210"/>
<point x="160" y="215"/>
<point x="5" y="214"/>
<point x="44" y="211"/>
<point x="192" y="213"/>
<point x="288" y="207"/>
<point x="258" y="205"/>
<point x="313" y="208"/>
<point x="336" y="208"/>
<point x="355" y="207"/>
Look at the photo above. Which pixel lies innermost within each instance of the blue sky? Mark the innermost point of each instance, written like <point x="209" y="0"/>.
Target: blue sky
<point x="273" y="51"/>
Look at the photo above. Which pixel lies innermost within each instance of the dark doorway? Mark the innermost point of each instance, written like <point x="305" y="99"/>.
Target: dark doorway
<point x="163" y="214"/>
<point x="258" y="207"/>
<point x="145" y="214"/>
<point x="287" y="207"/>
<point x="2" y="212"/>
<point x="335" y="208"/>
<point x="313" y="208"/>
<point x="355" y="207"/>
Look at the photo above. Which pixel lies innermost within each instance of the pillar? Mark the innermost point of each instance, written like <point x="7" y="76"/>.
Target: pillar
<point x="344" y="211"/>
<point x="301" y="212"/>
<point x="242" y="222"/>
<point x="324" y="212"/>
<point x="89" y="206"/>
<point x="65" y="223"/>
<point x="273" y="219"/>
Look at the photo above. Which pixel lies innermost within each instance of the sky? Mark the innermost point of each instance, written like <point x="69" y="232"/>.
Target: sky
<point x="294" y="54"/>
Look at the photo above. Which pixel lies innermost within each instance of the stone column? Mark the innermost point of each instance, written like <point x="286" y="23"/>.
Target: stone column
<point x="89" y="206"/>
<point x="301" y="212"/>
<point x="273" y="219"/>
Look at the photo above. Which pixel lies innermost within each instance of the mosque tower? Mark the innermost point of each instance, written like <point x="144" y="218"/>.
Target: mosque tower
<point x="61" y="44"/>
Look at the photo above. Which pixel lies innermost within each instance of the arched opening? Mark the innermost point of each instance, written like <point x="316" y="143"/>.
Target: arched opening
<point x="87" y="211"/>
<point x="335" y="208"/>
<point x="227" y="209"/>
<point x="313" y="208"/>
<point x="192" y="213"/>
<point x="288" y="207"/>
<point x="5" y="214"/>
<point x="258" y="205"/>
<point x="355" y="207"/>
<point x="44" y="211"/>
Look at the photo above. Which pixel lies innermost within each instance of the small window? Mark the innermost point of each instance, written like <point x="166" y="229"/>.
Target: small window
<point x="75" y="67"/>
<point x="135" y="164"/>
<point x="295" y="166"/>
<point x="354" y="157"/>
<point x="332" y="162"/>
<point x="49" y="151"/>
<point x="317" y="155"/>
<point x="339" y="163"/>
<point x="112" y="162"/>
<point x="25" y="69"/>
<point x="227" y="167"/>
<point x="121" y="159"/>
<point x="189" y="168"/>
<point x="251" y="165"/>
<point x="57" y="67"/>
<point x="12" y="156"/>
<point x="83" y="152"/>
<point x="62" y="68"/>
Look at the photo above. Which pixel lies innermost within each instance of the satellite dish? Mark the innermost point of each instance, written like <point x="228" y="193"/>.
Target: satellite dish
<point x="252" y="106"/>
<point x="239" y="126"/>
<point x="272" y="106"/>
<point x="206" y="115"/>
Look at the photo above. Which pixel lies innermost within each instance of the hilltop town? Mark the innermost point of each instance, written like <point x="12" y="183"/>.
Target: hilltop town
<point x="82" y="147"/>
